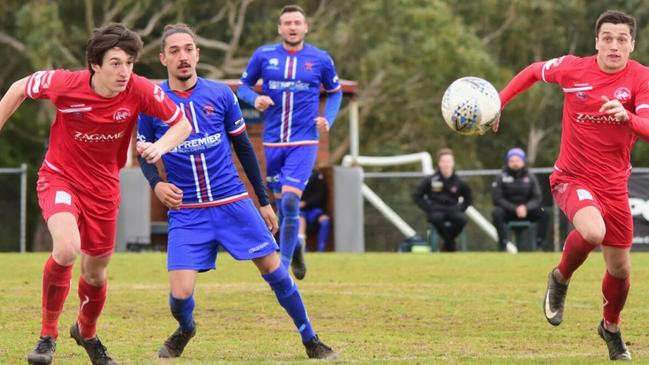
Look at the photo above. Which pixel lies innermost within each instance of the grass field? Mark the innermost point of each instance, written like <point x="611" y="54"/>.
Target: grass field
<point x="477" y="308"/>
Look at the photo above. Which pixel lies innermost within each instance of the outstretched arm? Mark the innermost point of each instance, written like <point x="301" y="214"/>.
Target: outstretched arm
<point x="12" y="100"/>
<point x="177" y="133"/>
<point x="521" y="82"/>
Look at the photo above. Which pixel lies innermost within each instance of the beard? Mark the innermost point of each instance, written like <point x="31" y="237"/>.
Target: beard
<point x="293" y="44"/>
<point x="184" y="78"/>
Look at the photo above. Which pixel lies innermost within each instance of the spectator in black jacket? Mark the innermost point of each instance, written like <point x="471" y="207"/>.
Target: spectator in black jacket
<point x="517" y="196"/>
<point x="444" y="197"/>
<point x="312" y="210"/>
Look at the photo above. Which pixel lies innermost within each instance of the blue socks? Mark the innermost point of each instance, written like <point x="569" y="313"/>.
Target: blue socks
<point x="289" y="298"/>
<point x="182" y="310"/>
<point x="289" y="227"/>
<point x="323" y="235"/>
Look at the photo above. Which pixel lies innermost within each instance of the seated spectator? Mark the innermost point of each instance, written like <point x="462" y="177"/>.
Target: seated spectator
<point x="439" y="197"/>
<point x="312" y="210"/>
<point x="517" y="197"/>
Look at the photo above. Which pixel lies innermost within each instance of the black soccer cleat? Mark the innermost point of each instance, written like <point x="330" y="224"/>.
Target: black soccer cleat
<point x="43" y="353"/>
<point x="318" y="350"/>
<point x="96" y="350"/>
<point x="175" y="344"/>
<point x="555" y="299"/>
<point x="298" y="266"/>
<point x="617" y="349"/>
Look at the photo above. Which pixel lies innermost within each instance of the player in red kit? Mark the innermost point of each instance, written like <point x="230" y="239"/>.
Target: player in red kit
<point x="606" y="108"/>
<point x="78" y="184"/>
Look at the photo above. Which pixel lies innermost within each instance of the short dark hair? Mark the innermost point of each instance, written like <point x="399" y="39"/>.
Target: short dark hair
<point x="110" y="36"/>
<point x="291" y="9"/>
<point x="443" y="152"/>
<point x="170" y="29"/>
<point x="615" y="17"/>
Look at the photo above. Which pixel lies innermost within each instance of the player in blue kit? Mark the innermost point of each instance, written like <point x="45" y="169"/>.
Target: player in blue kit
<point x="209" y="205"/>
<point x="292" y="73"/>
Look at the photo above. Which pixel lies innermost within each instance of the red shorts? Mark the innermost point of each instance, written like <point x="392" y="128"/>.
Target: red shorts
<point x="572" y="195"/>
<point x="96" y="216"/>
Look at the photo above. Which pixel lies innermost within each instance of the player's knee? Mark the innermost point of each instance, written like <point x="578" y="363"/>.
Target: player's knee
<point x="65" y="254"/>
<point x="323" y="218"/>
<point x="182" y="292"/>
<point x="594" y="234"/>
<point x="619" y="270"/>
<point x="290" y="205"/>
<point x="96" y="278"/>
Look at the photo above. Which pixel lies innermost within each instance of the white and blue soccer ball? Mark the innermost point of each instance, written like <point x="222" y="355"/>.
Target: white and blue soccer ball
<point x="470" y="105"/>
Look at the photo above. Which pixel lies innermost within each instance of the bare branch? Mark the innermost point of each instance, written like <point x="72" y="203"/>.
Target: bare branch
<point x="70" y="57"/>
<point x="211" y="43"/>
<point x="134" y="14"/>
<point x="236" y="31"/>
<point x="215" y="19"/>
<point x="90" y="17"/>
<point x="511" y="16"/>
<point x="213" y="72"/>
<point x="12" y="42"/>
<point x="155" y="18"/>
<point x="110" y="13"/>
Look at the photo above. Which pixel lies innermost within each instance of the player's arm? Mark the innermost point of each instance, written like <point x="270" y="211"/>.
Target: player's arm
<point x="248" y="80"/>
<point x="332" y="87"/>
<point x="521" y="82"/>
<point x="177" y="133"/>
<point x="12" y="99"/>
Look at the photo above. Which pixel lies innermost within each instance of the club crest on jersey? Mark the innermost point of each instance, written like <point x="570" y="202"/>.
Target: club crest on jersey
<point x="623" y="94"/>
<point x="209" y="110"/>
<point x="158" y="94"/>
<point x="308" y="66"/>
<point x="121" y="115"/>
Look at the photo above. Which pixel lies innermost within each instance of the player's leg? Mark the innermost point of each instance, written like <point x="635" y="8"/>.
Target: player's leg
<point x="181" y="303"/>
<point x="56" y="283"/>
<point x="458" y="220"/>
<point x="301" y="236"/>
<point x="437" y="218"/>
<point x="191" y="248"/>
<point x="295" y="174"/>
<point x="584" y="211"/>
<point x="323" y="232"/>
<point x="542" y="218"/>
<point x="288" y="296"/>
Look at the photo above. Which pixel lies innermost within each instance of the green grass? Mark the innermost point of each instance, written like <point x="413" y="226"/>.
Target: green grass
<point x="478" y="308"/>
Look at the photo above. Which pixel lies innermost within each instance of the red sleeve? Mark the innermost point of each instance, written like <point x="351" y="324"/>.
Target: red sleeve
<point x="155" y="102"/>
<point x="45" y="84"/>
<point x="639" y="122"/>
<point x="547" y="71"/>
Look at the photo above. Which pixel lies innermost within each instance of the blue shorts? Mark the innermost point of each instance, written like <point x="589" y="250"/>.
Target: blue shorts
<point x="290" y="166"/>
<point x="196" y="233"/>
<point x="312" y="214"/>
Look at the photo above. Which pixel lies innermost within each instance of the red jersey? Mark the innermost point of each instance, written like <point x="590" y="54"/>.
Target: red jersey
<point x="90" y="135"/>
<point x="595" y="148"/>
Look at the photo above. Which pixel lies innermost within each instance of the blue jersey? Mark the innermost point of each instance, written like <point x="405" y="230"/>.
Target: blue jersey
<point x="202" y="165"/>
<point x="292" y="80"/>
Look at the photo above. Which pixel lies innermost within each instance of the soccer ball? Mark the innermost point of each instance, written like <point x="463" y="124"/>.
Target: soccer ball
<point x="470" y="105"/>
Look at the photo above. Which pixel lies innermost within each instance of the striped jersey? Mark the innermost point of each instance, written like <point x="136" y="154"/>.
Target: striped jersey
<point x="202" y="165"/>
<point x="90" y="135"/>
<point x="292" y="80"/>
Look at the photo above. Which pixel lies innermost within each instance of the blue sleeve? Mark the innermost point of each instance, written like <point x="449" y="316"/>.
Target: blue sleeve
<point x="329" y="76"/>
<point x="246" y="154"/>
<point x="247" y="94"/>
<point x="146" y="133"/>
<point x="232" y="119"/>
<point x="253" y="70"/>
<point x="332" y="105"/>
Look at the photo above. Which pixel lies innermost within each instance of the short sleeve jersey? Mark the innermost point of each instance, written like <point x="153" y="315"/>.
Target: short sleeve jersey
<point x="202" y="165"/>
<point x="594" y="146"/>
<point x="292" y="80"/>
<point x="90" y="135"/>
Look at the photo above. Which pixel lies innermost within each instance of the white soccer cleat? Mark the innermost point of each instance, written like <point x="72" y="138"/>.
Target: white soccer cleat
<point x="511" y="248"/>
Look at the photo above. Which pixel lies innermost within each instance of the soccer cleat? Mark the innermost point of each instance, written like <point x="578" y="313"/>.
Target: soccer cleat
<point x="555" y="298"/>
<point x="297" y="263"/>
<point x="43" y="352"/>
<point x="318" y="350"/>
<point x="617" y="349"/>
<point x="175" y="344"/>
<point x="511" y="248"/>
<point x="96" y="350"/>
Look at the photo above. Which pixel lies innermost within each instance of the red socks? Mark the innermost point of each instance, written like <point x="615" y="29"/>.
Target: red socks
<point x="56" y="286"/>
<point x="92" y="303"/>
<point x="575" y="252"/>
<point x="615" y="291"/>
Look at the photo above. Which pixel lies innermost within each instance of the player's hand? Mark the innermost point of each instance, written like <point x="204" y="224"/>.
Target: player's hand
<point x="269" y="217"/>
<point x="262" y="102"/>
<point x="149" y="151"/>
<point x="615" y="108"/>
<point x="521" y="211"/>
<point x="169" y="194"/>
<point x="496" y="123"/>
<point x="322" y="124"/>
